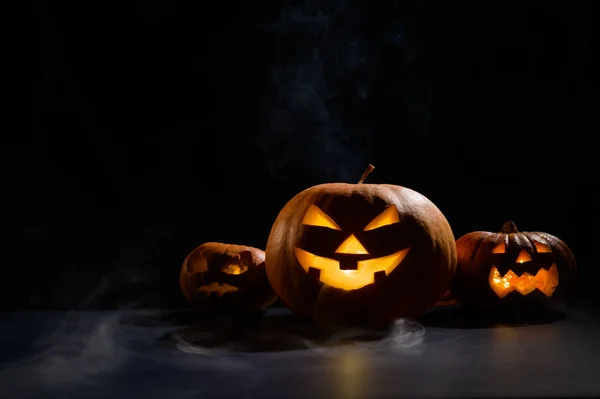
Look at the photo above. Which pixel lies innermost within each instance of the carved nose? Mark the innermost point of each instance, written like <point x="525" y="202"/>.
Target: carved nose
<point x="351" y="246"/>
<point x="523" y="257"/>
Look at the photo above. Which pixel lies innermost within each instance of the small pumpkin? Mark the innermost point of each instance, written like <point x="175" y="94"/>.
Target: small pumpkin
<point x="226" y="276"/>
<point x="512" y="269"/>
<point x="360" y="253"/>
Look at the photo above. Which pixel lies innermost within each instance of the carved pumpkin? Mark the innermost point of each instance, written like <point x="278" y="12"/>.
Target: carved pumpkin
<point x="360" y="253"/>
<point x="513" y="268"/>
<point x="225" y="276"/>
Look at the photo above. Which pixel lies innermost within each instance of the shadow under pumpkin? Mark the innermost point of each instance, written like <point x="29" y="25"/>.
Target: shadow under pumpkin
<point x="275" y="330"/>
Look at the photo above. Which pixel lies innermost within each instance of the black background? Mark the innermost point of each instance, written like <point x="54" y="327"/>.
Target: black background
<point x="156" y="126"/>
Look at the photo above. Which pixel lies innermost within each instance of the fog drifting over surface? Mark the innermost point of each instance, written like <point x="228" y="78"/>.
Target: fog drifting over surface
<point x="135" y="353"/>
<point x="94" y="353"/>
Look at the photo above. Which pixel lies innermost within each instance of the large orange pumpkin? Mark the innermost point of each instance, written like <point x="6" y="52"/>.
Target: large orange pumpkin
<point x="513" y="269"/>
<point x="360" y="253"/>
<point x="217" y="276"/>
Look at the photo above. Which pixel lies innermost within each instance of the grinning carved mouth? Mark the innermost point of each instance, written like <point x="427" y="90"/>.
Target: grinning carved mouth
<point x="545" y="280"/>
<point x="216" y="288"/>
<point x="331" y="274"/>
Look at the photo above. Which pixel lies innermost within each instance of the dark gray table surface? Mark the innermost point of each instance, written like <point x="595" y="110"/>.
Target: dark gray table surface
<point x="145" y="354"/>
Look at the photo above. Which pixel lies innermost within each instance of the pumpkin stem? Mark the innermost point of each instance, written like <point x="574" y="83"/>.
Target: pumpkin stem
<point x="366" y="173"/>
<point x="509" y="228"/>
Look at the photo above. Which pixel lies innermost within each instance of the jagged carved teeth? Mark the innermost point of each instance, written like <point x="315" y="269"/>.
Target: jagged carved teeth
<point x="216" y="288"/>
<point x="545" y="280"/>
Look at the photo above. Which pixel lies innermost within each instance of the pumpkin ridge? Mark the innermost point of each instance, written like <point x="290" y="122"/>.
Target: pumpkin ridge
<point x="479" y="244"/>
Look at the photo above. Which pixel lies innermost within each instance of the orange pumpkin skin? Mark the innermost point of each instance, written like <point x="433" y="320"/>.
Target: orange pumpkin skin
<point x="416" y="229"/>
<point x="512" y="270"/>
<point x="217" y="276"/>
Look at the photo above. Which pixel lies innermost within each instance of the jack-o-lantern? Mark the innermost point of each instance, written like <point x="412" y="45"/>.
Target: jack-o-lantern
<point x="228" y="277"/>
<point x="513" y="269"/>
<point x="360" y="253"/>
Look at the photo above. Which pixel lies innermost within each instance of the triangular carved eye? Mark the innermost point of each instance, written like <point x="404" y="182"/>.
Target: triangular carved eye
<point x="234" y="269"/>
<point x="316" y="217"/>
<point x="541" y="248"/>
<point x="389" y="216"/>
<point x="499" y="249"/>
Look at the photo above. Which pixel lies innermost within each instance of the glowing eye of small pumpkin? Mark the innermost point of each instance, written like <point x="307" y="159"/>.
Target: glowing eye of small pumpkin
<point x="499" y="249"/>
<point x="541" y="248"/>
<point x="389" y="216"/>
<point x="316" y="217"/>
<point x="234" y="269"/>
<point x="523" y="257"/>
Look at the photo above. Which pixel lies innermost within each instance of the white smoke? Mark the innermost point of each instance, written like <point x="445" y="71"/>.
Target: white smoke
<point x="323" y="80"/>
<point x="90" y="351"/>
